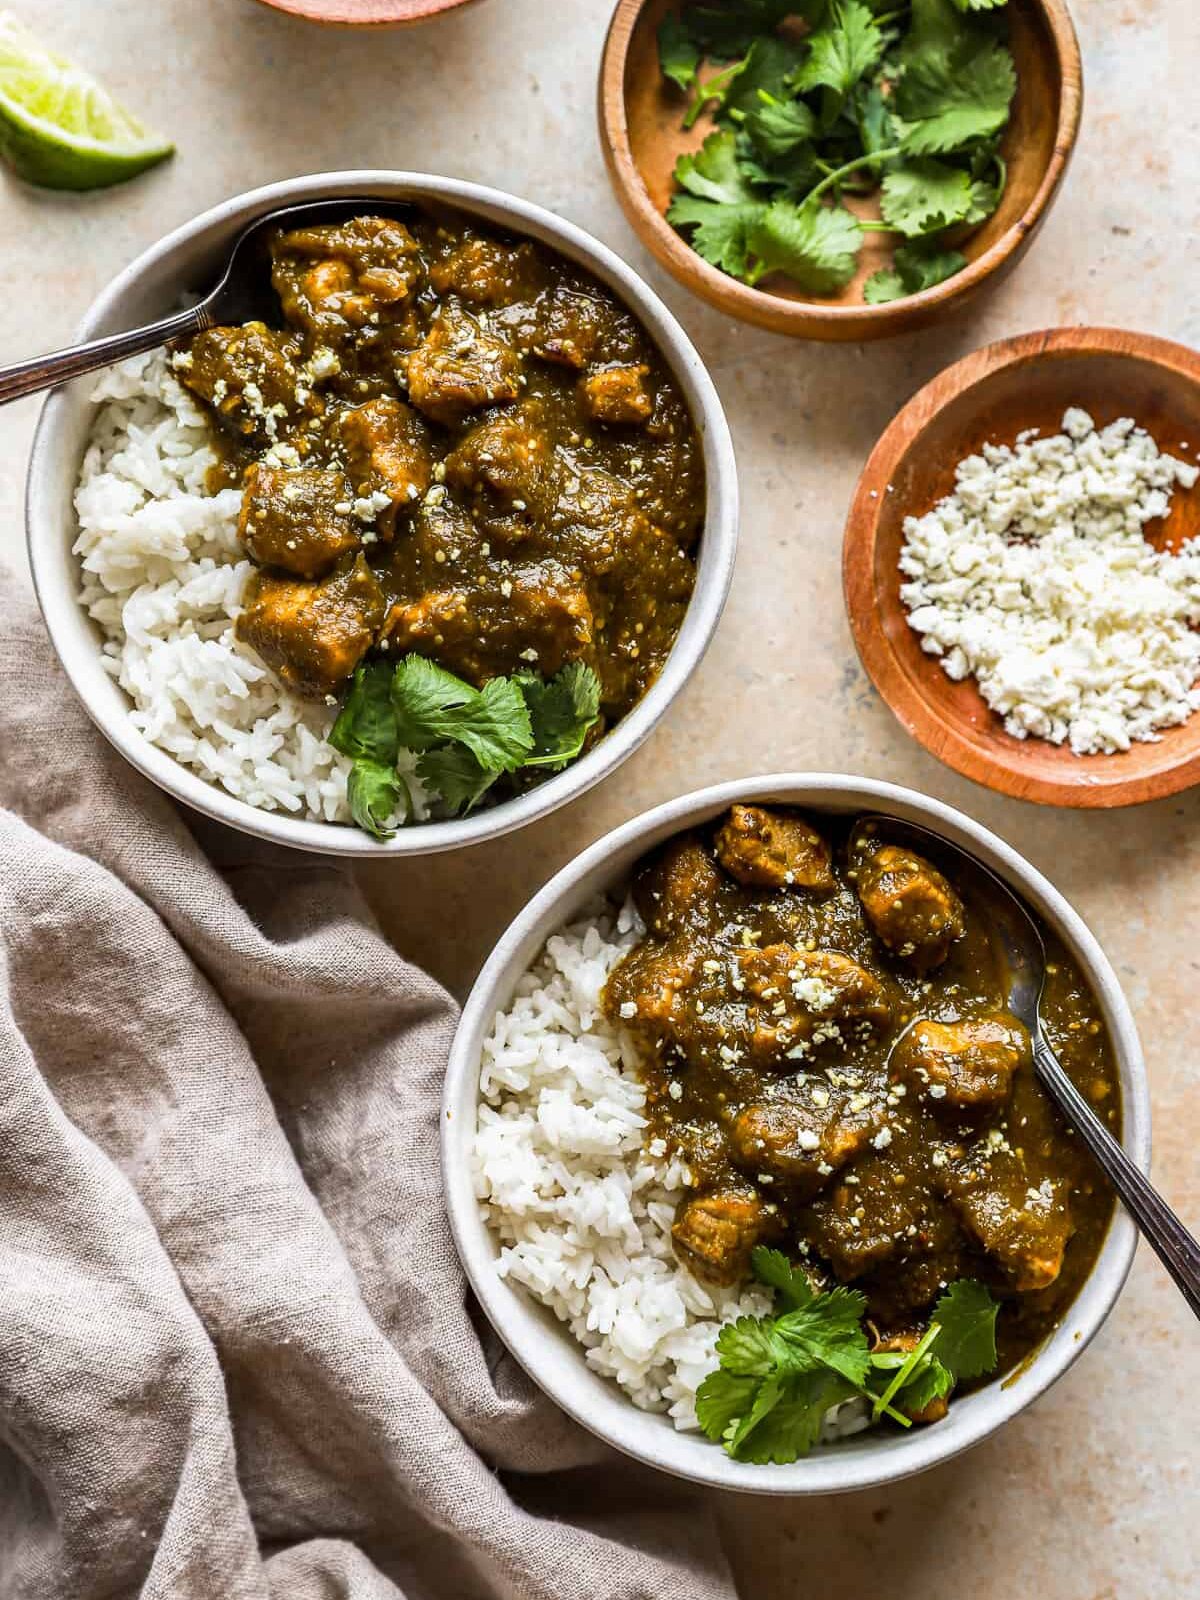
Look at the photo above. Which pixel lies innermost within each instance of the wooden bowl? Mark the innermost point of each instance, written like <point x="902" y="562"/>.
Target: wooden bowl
<point x="991" y="396"/>
<point x="365" y="13"/>
<point x="641" y="132"/>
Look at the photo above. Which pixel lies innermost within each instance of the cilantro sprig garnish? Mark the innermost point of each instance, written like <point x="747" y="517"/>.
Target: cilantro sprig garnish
<point x="903" y="102"/>
<point x="778" y="1376"/>
<point x="463" y="738"/>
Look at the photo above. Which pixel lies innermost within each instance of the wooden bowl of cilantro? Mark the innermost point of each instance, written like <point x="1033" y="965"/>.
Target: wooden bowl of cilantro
<point x="839" y="169"/>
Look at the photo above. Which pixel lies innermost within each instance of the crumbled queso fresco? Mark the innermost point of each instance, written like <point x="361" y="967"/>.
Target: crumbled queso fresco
<point x="1034" y="577"/>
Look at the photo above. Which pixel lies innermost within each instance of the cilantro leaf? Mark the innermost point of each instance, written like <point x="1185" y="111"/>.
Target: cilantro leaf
<point x="951" y="100"/>
<point x="422" y="692"/>
<point x="766" y="1397"/>
<point x="779" y="1376"/>
<point x="750" y="1347"/>
<point x="921" y="265"/>
<point x="456" y="776"/>
<point x="790" y="1283"/>
<point x="366" y="724"/>
<point x="776" y="127"/>
<point x="925" y="197"/>
<point x="792" y="1425"/>
<point x="841" y="51"/>
<point x="766" y="70"/>
<point x="434" y="707"/>
<point x="719" y="202"/>
<point x="377" y="794"/>
<point x="935" y="25"/>
<point x="562" y="711"/>
<point x="930" y="1380"/>
<point x="985" y="197"/>
<point x="828" y="1332"/>
<point x="494" y="726"/>
<point x="876" y="124"/>
<point x="721" y="1399"/>
<point x="366" y="729"/>
<point x="678" y="53"/>
<point x="909" y="1363"/>
<point x="966" y="1314"/>
<point x="918" y="266"/>
<point x="712" y="172"/>
<point x="721" y="230"/>
<point x="896" y="89"/>
<point x="712" y="92"/>
<point x="464" y="737"/>
<point x="727" y="30"/>
<point x="816" y="246"/>
<point x="791" y="175"/>
<point x="883" y="286"/>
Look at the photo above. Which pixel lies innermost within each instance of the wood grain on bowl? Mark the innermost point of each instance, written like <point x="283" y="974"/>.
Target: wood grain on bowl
<point x="366" y="13"/>
<point x="991" y="395"/>
<point x="641" y="117"/>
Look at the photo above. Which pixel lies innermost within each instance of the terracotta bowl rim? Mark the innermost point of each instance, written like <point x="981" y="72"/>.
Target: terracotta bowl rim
<point x="389" y="13"/>
<point x="544" y="1347"/>
<point x="807" y="316"/>
<point x="1087" y="787"/>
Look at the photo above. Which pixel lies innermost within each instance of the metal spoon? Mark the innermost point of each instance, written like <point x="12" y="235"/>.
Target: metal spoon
<point x="1020" y="941"/>
<point x="239" y="296"/>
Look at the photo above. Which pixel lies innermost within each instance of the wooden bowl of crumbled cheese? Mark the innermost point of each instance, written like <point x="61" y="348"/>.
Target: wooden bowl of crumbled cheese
<point x="1020" y="573"/>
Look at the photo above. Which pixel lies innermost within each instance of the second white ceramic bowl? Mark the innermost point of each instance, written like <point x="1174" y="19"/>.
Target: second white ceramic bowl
<point x="187" y="261"/>
<point x="541" y="1343"/>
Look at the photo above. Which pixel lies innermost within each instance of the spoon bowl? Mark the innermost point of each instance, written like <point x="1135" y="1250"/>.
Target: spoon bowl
<point x="239" y="296"/>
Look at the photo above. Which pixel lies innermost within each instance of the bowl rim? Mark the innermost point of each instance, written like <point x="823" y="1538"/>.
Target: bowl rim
<point x="812" y="317"/>
<point x="544" y="1348"/>
<point x="74" y="635"/>
<point x="335" y="13"/>
<point x="1088" y="787"/>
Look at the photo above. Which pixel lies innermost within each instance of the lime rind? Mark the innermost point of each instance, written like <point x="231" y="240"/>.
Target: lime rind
<point x="59" y="127"/>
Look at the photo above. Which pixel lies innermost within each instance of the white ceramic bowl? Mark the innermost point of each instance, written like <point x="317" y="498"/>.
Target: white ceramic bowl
<point x="187" y="261"/>
<point x="541" y="1343"/>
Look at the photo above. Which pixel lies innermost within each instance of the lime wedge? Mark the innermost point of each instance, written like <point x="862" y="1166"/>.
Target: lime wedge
<point x="58" y="126"/>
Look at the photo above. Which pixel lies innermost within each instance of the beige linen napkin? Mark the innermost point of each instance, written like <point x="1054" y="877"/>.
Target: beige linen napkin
<point x="237" y="1357"/>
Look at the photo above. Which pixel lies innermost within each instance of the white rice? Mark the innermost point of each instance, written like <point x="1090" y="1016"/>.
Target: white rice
<point x="163" y="575"/>
<point x="580" y="1201"/>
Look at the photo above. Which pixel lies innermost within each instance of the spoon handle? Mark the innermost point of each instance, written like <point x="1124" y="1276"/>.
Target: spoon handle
<point x="43" y="372"/>
<point x="1172" y="1243"/>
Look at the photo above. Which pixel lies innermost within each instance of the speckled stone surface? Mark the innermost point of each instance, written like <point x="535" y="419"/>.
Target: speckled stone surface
<point x="1091" y="1495"/>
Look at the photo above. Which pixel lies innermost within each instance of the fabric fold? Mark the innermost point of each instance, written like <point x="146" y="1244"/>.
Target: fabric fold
<point x="238" y="1357"/>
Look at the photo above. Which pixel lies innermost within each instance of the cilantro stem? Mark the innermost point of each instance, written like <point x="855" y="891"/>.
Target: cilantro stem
<point x="714" y="89"/>
<point x="905" y="1372"/>
<point x="892" y="16"/>
<point x="881" y="1407"/>
<point x="877" y="227"/>
<point x="851" y="166"/>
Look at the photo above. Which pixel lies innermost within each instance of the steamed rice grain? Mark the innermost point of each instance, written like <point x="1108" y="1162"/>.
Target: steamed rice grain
<point x="580" y="1200"/>
<point x="163" y="577"/>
